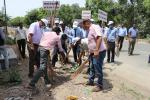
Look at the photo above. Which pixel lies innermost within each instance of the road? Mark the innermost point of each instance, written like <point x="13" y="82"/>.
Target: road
<point x="127" y="79"/>
<point x="135" y="69"/>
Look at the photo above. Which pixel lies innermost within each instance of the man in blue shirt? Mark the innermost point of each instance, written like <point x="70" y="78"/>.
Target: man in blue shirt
<point x="3" y="49"/>
<point x="122" y="32"/>
<point x="111" y="38"/>
<point x="133" y="33"/>
<point x="76" y="32"/>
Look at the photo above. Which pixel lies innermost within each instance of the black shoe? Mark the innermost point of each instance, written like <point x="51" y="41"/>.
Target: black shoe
<point x="90" y="83"/>
<point x="112" y="61"/>
<point x="108" y="61"/>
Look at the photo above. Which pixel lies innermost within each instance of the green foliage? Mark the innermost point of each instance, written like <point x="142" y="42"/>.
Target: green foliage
<point x="10" y="77"/>
<point x="16" y="21"/>
<point x="34" y="15"/>
<point x="14" y="76"/>
<point x="10" y="41"/>
<point x="124" y="11"/>
<point x="68" y="13"/>
<point x="2" y="18"/>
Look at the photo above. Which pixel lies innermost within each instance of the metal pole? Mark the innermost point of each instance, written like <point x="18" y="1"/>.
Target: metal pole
<point x="5" y="17"/>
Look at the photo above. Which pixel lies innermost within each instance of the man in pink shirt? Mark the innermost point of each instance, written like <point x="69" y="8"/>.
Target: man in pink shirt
<point x="48" y="41"/>
<point x="97" y="50"/>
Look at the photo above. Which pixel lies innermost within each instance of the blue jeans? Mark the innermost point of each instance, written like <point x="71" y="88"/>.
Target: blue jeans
<point x="43" y="53"/>
<point x="3" y="51"/>
<point x="96" y="67"/>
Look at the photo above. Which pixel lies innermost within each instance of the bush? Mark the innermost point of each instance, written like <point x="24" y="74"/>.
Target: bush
<point x="14" y="76"/>
<point x="148" y="37"/>
<point x="10" y="77"/>
<point x="10" y="41"/>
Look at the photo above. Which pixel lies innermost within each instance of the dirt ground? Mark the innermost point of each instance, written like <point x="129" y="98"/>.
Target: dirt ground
<point x="62" y="86"/>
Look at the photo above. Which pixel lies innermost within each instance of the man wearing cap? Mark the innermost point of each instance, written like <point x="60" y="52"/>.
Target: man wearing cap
<point x="111" y="38"/>
<point x="133" y="33"/>
<point x="122" y="32"/>
<point x="76" y="32"/>
<point x="56" y="23"/>
<point x="97" y="50"/>
<point x="33" y="39"/>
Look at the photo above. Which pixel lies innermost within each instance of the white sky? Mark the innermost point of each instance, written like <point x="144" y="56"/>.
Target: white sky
<point x="21" y="7"/>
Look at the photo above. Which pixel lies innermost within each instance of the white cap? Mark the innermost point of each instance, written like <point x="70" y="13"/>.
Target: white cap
<point x="92" y="20"/>
<point x="61" y="22"/>
<point x="76" y="39"/>
<point x="56" y="21"/>
<point x="84" y="41"/>
<point x="45" y="21"/>
<point x="75" y="24"/>
<point x="110" y="22"/>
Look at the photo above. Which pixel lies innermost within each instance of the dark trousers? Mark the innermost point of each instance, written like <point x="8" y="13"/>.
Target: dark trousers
<point x="55" y="56"/>
<point x="131" y="45"/>
<point x="22" y="47"/>
<point x="111" y="51"/>
<point x="149" y="59"/>
<point x="120" y="42"/>
<point x="43" y="67"/>
<point x="33" y="59"/>
<point x="96" y="67"/>
<point x="76" y="52"/>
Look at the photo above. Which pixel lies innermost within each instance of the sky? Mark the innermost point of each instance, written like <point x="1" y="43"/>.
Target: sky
<point x="21" y="7"/>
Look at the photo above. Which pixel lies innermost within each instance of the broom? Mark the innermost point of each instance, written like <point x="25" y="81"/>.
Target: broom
<point x="79" y="70"/>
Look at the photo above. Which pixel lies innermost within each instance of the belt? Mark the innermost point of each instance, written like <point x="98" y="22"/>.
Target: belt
<point x="91" y="54"/>
<point x="133" y="37"/>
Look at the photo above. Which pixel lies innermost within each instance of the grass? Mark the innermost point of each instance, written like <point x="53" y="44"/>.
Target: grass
<point x="10" y="77"/>
<point x="10" y="41"/>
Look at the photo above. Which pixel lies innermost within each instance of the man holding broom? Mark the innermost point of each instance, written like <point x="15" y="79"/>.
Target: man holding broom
<point x="48" y="41"/>
<point x="97" y="50"/>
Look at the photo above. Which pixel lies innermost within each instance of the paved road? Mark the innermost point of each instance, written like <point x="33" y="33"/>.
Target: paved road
<point x="135" y="69"/>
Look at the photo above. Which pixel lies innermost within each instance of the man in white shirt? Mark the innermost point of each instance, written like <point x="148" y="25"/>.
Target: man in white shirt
<point x="33" y="39"/>
<point x="133" y="34"/>
<point x="122" y="32"/>
<point x="21" y="40"/>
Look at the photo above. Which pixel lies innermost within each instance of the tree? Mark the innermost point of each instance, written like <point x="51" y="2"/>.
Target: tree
<point x="35" y="15"/>
<point x="68" y="13"/>
<point x="2" y="18"/>
<point x="16" y="21"/>
<point x="124" y="11"/>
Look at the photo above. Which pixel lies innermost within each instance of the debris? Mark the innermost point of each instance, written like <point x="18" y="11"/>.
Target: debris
<point x="72" y="98"/>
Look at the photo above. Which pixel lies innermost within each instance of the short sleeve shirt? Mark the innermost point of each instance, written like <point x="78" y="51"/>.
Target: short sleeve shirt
<point x="133" y="32"/>
<point x="36" y="31"/>
<point x="122" y="31"/>
<point x="20" y="34"/>
<point x="94" y="32"/>
<point x="112" y="34"/>
<point x="49" y="40"/>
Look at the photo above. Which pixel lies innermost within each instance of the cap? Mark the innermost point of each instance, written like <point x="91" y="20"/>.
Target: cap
<point x="61" y="22"/>
<point x="75" y="40"/>
<point x="45" y="21"/>
<point x="56" y="21"/>
<point x="110" y="22"/>
<point x="92" y="20"/>
<point x="75" y="24"/>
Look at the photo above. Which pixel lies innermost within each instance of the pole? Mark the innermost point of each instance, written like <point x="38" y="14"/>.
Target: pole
<point x="5" y="17"/>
